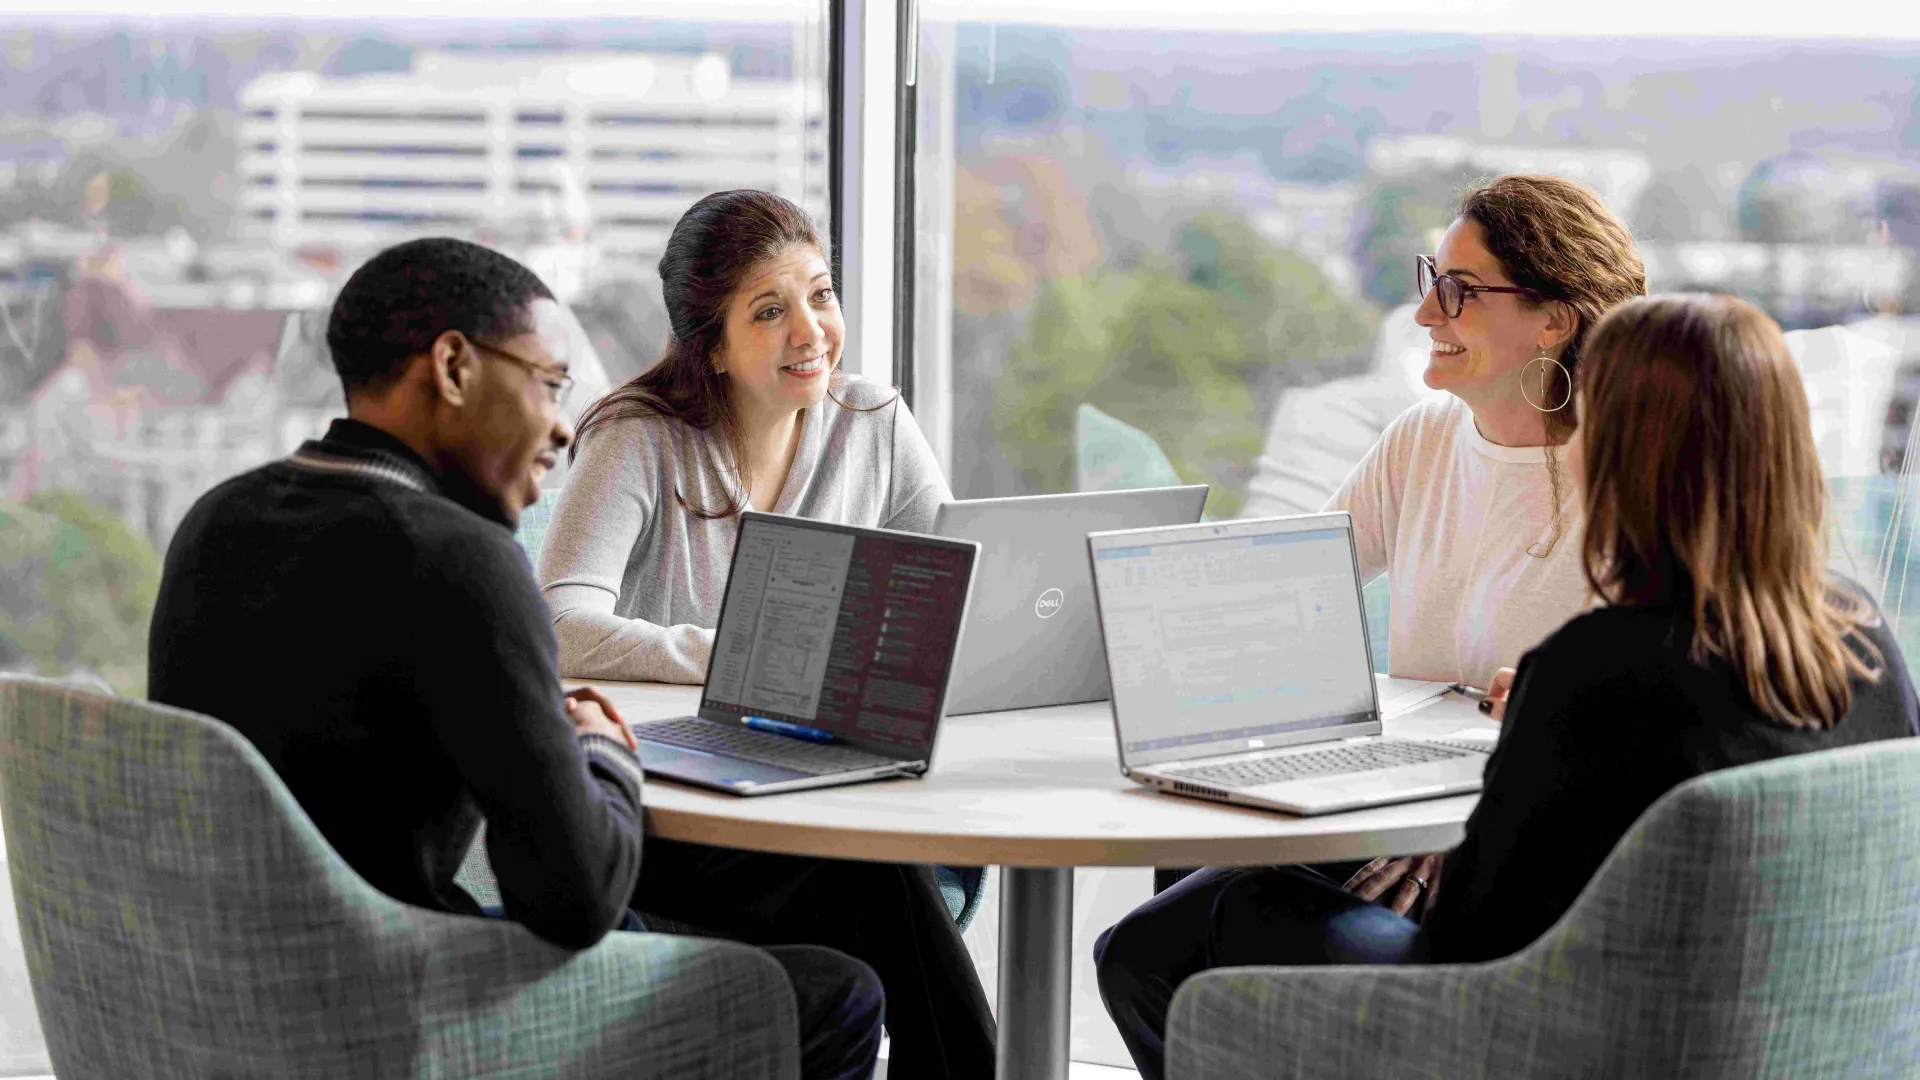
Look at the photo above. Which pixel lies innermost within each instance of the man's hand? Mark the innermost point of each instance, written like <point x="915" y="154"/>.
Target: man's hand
<point x="593" y="714"/>
<point x="1401" y="883"/>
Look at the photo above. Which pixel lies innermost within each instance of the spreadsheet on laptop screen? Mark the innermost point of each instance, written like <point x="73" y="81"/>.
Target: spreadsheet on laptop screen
<point x="1215" y="639"/>
<point x="850" y="634"/>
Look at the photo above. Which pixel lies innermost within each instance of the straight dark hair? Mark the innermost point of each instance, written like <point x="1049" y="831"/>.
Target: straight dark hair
<point x="714" y="249"/>
<point x="1704" y="492"/>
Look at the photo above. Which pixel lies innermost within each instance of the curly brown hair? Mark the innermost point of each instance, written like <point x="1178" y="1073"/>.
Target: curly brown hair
<point x="1559" y="239"/>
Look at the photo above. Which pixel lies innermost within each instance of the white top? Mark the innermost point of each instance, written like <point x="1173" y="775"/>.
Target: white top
<point x="634" y="578"/>
<point x="1037" y="787"/>
<point x="1449" y="517"/>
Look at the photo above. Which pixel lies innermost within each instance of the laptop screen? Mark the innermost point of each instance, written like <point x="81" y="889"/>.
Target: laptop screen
<point x="1232" y="637"/>
<point x="851" y="631"/>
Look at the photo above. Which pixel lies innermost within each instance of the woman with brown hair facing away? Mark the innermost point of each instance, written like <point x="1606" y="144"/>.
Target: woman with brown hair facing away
<point x="1720" y="639"/>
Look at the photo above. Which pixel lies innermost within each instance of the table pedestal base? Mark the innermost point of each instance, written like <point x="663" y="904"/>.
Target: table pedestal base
<point x="1036" y="944"/>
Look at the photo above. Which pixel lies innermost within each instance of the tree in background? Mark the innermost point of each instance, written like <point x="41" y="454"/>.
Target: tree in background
<point x="77" y="587"/>
<point x="1399" y="218"/>
<point x="1189" y="345"/>
<point x="144" y="185"/>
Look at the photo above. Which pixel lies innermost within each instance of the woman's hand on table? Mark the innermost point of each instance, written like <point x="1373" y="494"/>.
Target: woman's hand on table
<point x="1495" y="703"/>
<point x="1402" y="883"/>
<point x="593" y="714"/>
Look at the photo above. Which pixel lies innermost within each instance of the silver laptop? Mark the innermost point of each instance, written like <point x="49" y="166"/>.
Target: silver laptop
<point x="1241" y="669"/>
<point x="1032" y="636"/>
<point x="830" y="664"/>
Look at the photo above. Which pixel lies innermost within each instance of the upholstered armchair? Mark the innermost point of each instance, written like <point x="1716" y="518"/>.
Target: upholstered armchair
<point x="1760" y="921"/>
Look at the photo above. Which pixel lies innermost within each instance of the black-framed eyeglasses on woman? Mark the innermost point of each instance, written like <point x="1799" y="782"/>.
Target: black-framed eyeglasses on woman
<point x="556" y="381"/>
<point x="1453" y="292"/>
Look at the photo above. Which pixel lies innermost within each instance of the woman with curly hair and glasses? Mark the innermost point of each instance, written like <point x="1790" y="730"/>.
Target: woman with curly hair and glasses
<point x="1463" y="503"/>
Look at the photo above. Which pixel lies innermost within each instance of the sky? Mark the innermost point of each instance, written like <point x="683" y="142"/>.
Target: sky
<point x="1876" y="20"/>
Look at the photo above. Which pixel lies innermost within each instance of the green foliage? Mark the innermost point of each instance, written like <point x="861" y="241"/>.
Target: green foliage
<point x="182" y="177"/>
<point x="1183" y="346"/>
<point x="1400" y="215"/>
<point x="77" y="588"/>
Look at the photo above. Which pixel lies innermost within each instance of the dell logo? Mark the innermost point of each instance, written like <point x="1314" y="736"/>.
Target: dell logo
<point x="1049" y="603"/>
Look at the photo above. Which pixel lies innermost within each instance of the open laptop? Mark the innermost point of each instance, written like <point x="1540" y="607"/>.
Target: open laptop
<point x="1032" y="636"/>
<point x="1241" y="669"/>
<point x="830" y="664"/>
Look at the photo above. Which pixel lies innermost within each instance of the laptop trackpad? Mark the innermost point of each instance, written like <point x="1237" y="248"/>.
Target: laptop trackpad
<point x="709" y="770"/>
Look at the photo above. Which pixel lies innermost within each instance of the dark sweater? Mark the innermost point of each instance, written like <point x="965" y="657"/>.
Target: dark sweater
<point x="1607" y="715"/>
<point x="386" y="649"/>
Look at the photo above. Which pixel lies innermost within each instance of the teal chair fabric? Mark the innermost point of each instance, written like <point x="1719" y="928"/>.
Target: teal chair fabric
<point x="1377" y="598"/>
<point x="1110" y="455"/>
<point x="1756" y="922"/>
<point x="960" y="886"/>
<point x="183" y="918"/>
<point x="532" y="531"/>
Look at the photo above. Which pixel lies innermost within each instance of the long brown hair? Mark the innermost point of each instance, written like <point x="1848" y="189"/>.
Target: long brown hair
<point x="1703" y="491"/>
<point x="713" y="250"/>
<point x="1559" y="239"/>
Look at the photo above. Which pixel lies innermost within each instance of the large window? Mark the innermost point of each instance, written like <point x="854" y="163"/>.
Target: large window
<point x="180" y="196"/>
<point x="1148" y="251"/>
<point x="1164" y="241"/>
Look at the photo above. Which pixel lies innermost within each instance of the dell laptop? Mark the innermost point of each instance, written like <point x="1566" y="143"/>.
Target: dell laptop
<point x="1242" y="672"/>
<point x="1032" y="636"/>
<point x="830" y="664"/>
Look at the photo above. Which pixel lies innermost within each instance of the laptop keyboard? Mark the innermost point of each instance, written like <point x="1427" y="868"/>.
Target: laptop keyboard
<point x="737" y="741"/>
<point x="1369" y="756"/>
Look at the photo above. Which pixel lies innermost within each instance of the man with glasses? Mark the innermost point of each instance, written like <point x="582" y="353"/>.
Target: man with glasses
<point x="361" y="612"/>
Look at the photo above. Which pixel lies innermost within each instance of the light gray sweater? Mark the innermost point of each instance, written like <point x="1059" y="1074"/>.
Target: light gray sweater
<point x="634" y="579"/>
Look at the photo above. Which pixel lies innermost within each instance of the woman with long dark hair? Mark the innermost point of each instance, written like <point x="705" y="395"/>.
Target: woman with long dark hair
<point x="748" y="408"/>
<point x="1720" y="639"/>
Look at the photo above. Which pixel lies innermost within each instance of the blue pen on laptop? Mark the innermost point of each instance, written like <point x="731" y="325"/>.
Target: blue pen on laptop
<point x="781" y="727"/>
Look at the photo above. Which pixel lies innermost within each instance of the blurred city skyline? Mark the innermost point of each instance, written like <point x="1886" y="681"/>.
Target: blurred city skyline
<point x="1859" y="20"/>
<point x="1186" y="230"/>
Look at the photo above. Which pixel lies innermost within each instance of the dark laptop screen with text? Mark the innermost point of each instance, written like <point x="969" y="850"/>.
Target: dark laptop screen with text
<point x="851" y="634"/>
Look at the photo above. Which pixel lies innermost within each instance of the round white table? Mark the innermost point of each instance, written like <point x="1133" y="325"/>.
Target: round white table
<point x="1036" y="792"/>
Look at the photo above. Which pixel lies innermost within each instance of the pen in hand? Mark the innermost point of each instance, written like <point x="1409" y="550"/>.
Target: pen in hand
<point x="1486" y="703"/>
<point x="1494" y="699"/>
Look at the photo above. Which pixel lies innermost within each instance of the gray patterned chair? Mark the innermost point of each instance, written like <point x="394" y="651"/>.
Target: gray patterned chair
<point x="183" y="918"/>
<point x="1761" y="921"/>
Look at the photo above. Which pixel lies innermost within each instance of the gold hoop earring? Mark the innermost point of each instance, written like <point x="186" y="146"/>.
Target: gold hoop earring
<point x="1546" y="376"/>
